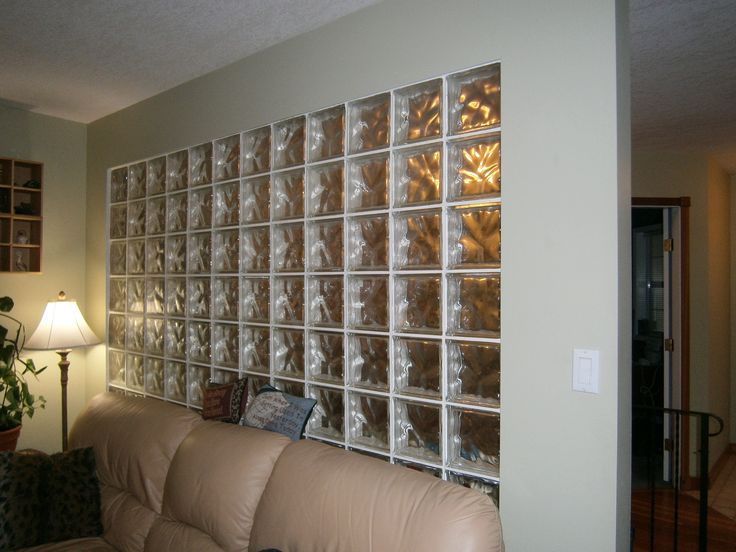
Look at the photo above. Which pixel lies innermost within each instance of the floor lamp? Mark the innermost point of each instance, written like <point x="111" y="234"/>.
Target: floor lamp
<point x="62" y="328"/>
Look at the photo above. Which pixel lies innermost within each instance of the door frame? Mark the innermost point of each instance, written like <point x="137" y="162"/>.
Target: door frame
<point x="683" y="202"/>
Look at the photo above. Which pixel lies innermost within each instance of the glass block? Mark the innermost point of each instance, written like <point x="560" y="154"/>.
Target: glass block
<point x="154" y="338"/>
<point x="176" y="296"/>
<point x="200" y="253"/>
<point x="325" y="245"/>
<point x="289" y="247"/>
<point x="225" y="376"/>
<point x="176" y="212"/>
<point x="368" y="248"/>
<point x="256" y="349"/>
<point x="368" y="361"/>
<point x="474" y="168"/>
<point x="368" y="422"/>
<point x="118" y="289"/>
<point x="198" y="377"/>
<point x="418" y="112"/>
<point x="417" y="367"/>
<point x="474" y="304"/>
<point x="136" y="294"/>
<point x="156" y="216"/>
<point x="418" y="175"/>
<point x="326" y="357"/>
<point x="227" y="158"/>
<point x="485" y="486"/>
<point x="289" y="300"/>
<point x="256" y="200"/>
<point x="199" y="297"/>
<point x="116" y="367"/>
<point x="255" y="254"/>
<point x="156" y="176"/>
<point x="118" y="257"/>
<point x="155" y="296"/>
<point x="474" y="99"/>
<point x="136" y="257"/>
<point x="118" y="221"/>
<point x="474" y="237"/>
<point x="474" y="373"/>
<point x="225" y="298"/>
<point x="200" y="208"/>
<point x="254" y="384"/>
<point x="417" y="431"/>
<point x="177" y="174"/>
<point x="325" y="189"/>
<point x="417" y="303"/>
<point x="368" y="303"/>
<point x="288" y="143"/>
<point x="200" y="164"/>
<point x="226" y="245"/>
<point x="175" y="338"/>
<point x="116" y="331"/>
<point x="328" y="416"/>
<point x="256" y="151"/>
<point x="435" y="472"/>
<point x="176" y="254"/>
<point x="289" y="387"/>
<point x="288" y="350"/>
<point x="155" y="255"/>
<point x="137" y="181"/>
<point x="368" y="182"/>
<point x="368" y="121"/>
<point x="227" y="204"/>
<point x="288" y="195"/>
<point x="176" y="381"/>
<point x="134" y="372"/>
<point x="417" y="239"/>
<point x="154" y="374"/>
<point x="119" y="185"/>
<point x="225" y="346"/>
<point x="474" y="440"/>
<point x="326" y="301"/>
<point x="134" y="333"/>
<point x="137" y="218"/>
<point x="199" y="342"/>
<point x="255" y="298"/>
<point x="326" y="133"/>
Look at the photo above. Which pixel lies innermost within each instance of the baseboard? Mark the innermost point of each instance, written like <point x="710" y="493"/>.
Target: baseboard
<point x="692" y="483"/>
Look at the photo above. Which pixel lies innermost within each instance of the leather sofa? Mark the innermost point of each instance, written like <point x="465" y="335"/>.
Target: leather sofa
<point x="171" y="481"/>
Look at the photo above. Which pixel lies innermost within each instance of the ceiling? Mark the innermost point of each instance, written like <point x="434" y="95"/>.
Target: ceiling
<point x="84" y="59"/>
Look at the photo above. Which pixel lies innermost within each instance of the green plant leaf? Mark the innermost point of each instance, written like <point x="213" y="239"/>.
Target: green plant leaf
<point x="6" y="304"/>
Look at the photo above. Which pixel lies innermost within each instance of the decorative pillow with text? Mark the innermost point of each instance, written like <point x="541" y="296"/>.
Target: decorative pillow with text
<point x="274" y="410"/>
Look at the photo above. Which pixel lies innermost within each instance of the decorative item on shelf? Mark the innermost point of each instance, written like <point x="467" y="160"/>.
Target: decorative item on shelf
<point x="21" y="237"/>
<point x="33" y="184"/>
<point x="17" y="400"/>
<point x="62" y="328"/>
<point x="20" y="264"/>
<point x="24" y="208"/>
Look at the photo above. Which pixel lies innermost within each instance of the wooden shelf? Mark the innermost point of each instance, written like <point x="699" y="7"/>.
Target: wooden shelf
<point x="21" y="189"/>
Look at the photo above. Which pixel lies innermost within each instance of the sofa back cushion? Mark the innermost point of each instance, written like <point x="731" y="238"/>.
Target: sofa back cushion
<point x="134" y="441"/>
<point x="214" y="484"/>
<point x="323" y="499"/>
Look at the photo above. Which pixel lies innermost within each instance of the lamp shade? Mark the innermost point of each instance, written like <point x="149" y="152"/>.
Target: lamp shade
<point x="62" y="326"/>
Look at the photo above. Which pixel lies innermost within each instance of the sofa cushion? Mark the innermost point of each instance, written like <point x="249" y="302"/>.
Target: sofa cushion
<point x="87" y="544"/>
<point x="274" y="410"/>
<point x="225" y="402"/>
<point x="213" y="487"/>
<point x="134" y="441"/>
<point x="324" y="499"/>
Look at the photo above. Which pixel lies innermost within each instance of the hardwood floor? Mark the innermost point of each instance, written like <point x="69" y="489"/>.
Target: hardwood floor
<point x="721" y="530"/>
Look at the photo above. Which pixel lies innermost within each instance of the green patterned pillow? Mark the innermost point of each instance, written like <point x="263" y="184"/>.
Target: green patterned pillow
<point x="21" y="499"/>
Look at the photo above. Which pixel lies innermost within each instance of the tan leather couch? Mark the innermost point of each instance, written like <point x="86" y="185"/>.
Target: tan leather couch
<point x="171" y="481"/>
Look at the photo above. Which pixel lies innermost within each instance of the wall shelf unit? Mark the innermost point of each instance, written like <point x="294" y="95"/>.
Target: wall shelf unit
<point x="21" y="208"/>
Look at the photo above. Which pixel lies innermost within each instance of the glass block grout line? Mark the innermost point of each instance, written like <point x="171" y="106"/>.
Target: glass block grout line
<point x="307" y="275"/>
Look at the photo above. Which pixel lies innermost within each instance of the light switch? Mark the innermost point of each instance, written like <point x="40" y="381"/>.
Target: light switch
<point x="585" y="368"/>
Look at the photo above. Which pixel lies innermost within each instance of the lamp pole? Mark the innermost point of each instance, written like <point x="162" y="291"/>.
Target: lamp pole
<point x="64" y="367"/>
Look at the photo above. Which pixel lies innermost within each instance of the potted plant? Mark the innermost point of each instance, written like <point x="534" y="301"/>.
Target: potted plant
<point x="17" y="400"/>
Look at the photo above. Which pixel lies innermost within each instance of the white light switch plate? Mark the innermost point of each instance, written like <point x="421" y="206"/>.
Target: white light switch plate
<point x="585" y="370"/>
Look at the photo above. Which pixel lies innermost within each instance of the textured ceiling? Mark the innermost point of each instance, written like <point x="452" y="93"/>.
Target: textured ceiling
<point x="84" y="59"/>
<point x="683" y="76"/>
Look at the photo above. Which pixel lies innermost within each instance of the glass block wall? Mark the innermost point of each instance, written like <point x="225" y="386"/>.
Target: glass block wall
<point x="351" y="255"/>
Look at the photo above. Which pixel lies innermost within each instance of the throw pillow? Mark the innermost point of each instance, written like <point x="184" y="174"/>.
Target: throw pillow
<point x="21" y="499"/>
<point x="277" y="411"/>
<point x="72" y="496"/>
<point x="225" y="402"/>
